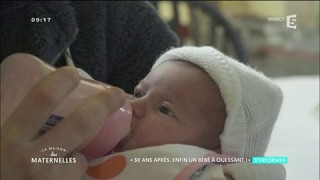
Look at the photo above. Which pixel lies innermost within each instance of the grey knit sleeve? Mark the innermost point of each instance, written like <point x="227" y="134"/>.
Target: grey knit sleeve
<point x="141" y="36"/>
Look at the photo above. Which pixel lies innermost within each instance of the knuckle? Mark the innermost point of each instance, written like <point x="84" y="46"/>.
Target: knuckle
<point x="31" y="170"/>
<point x="81" y="124"/>
<point x="45" y="96"/>
<point x="70" y="74"/>
<point x="20" y="155"/>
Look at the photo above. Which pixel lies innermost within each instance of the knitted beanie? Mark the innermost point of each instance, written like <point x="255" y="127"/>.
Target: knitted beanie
<point x="252" y="100"/>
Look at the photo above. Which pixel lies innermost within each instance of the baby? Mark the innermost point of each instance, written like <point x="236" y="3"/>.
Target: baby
<point x="200" y="97"/>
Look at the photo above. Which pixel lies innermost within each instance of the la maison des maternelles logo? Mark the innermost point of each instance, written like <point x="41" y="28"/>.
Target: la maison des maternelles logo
<point x="51" y="156"/>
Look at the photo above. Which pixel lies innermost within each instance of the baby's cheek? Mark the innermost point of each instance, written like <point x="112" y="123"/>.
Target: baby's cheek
<point x="149" y="132"/>
<point x="146" y="138"/>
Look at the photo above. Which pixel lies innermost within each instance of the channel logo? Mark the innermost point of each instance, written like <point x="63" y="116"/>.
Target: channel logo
<point x="291" y="20"/>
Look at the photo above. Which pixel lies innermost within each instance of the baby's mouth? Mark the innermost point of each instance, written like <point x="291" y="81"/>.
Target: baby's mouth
<point x="128" y="135"/>
<point x="124" y="141"/>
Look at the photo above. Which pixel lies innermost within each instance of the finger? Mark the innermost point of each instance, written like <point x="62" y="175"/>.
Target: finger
<point x="39" y="103"/>
<point x="84" y="121"/>
<point x="72" y="167"/>
<point x="76" y="169"/>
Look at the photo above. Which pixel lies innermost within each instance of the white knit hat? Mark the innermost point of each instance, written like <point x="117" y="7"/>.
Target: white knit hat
<point x="252" y="100"/>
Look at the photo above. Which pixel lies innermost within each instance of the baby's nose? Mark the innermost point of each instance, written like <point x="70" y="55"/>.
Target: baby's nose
<point x="138" y="106"/>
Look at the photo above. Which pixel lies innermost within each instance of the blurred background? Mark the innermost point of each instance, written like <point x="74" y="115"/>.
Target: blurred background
<point x="242" y="29"/>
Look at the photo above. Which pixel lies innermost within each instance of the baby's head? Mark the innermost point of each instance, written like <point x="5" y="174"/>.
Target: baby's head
<point x="177" y="102"/>
<point x="198" y="96"/>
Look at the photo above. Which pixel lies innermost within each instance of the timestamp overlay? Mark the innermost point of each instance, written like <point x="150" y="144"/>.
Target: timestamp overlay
<point x="40" y="19"/>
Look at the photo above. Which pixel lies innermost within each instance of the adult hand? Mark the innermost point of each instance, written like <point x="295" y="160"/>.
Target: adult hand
<point x="19" y="134"/>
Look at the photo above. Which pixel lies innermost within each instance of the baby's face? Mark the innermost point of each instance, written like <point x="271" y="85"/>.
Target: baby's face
<point x="174" y="103"/>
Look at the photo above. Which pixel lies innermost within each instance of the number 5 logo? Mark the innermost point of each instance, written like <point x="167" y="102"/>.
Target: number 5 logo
<point x="292" y="21"/>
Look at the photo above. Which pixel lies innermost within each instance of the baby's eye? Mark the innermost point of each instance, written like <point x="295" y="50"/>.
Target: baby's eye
<point x="166" y="111"/>
<point x="137" y="93"/>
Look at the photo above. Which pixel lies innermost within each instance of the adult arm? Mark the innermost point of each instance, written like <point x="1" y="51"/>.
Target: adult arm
<point x="119" y="41"/>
